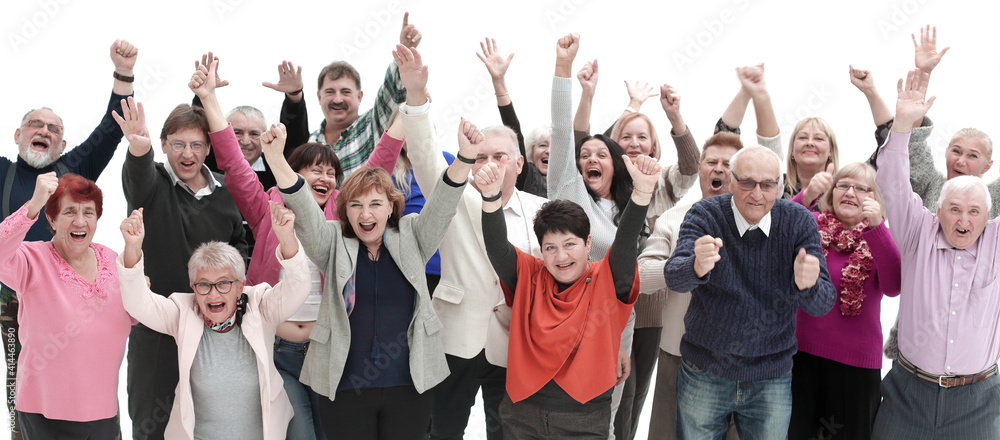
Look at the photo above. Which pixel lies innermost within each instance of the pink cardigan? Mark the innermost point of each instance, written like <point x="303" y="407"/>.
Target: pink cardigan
<point x="251" y="198"/>
<point x="178" y="316"/>
<point x="72" y="332"/>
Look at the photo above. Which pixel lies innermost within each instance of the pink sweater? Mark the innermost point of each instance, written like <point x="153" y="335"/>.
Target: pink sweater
<point x="854" y="340"/>
<point x="72" y="332"/>
<point x="251" y="198"/>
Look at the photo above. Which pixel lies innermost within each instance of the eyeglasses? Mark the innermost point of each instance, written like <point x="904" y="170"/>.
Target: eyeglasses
<point x="254" y="134"/>
<point x="36" y="124"/>
<point x="749" y="185"/>
<point x="860" y="189"/>
<point x="196" y="146"/>
<point x="204" y="288"/>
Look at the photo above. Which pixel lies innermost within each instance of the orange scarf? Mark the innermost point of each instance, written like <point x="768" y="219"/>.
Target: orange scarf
<point x="571" y="336"/>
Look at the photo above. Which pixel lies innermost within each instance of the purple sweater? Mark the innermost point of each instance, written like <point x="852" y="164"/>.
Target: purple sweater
<point x="853" y="340"/>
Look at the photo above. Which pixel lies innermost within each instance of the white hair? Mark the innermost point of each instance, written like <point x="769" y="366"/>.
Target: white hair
<point x="250" y="112"/>
<point x="965" y="185"/>
<point x="504" y="131"/>
<point x="733" y="161"/>
<point x="216" y="254"/>
<point x="534" y="137"/>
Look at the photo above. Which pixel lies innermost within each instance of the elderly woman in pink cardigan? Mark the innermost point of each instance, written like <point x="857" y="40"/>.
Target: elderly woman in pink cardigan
<point x="73" y="325"/>
<point x="228" y="387"/>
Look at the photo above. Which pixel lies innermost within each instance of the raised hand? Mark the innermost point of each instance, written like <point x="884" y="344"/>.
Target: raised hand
<point x="470" y="139"/>
<point x="289" y="78"/>
<point x="638" y="93"/>
<point x="489" y="179"/>
<point x="862" y="79"/>
<point x="282" y="221"/>
<point x="566" y="47"/>
<point x="412" y="71"/>
<point x="910" y="103"/>
<point x="752" y="79"/>
<point x="819" y="184"/>
<point x="133" y="123"/>
<point x="272" y="141"/>
<point x="124" y="54"/>
<point x="45" y="185"/>
<point x="670" y="100"/>
<point x="872" y="210"/>
<point x="706" y="254"/>
<point x="925" y="54"/>
<point x="132" y="229"/>
<point x="495" y="63"/>
<point x="806" y="269"/>
<point x="409" y="35"/>
<point x="206" y="60"/>
<point x="645" y="172"/>
<point x="204" y="80"/>
<point x="588" y="77"/>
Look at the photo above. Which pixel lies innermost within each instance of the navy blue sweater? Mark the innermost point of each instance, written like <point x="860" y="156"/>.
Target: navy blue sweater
<point x="741" y="321"/>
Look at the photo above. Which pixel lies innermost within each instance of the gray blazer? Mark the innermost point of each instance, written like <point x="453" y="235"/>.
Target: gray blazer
<point x="411" y="245"/>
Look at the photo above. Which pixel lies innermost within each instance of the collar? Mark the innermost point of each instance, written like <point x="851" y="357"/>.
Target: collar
<point x="258" y="165"/>
<point x="514" y="205"/>
<point x="743" y="225"/>
<point x="942" y="243"/>
<point x="207" y="190"/>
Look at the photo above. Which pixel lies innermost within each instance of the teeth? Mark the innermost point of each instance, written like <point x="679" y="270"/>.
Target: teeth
<point x="320" y="189"/>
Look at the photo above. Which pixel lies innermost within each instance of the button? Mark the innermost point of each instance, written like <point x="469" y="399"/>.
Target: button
<point x="413" y="278"/>
<point x="948" y="367"/>
<point x="956" y="284"/>
<point x="951" y="341"/>
<point x="495" y="282"/>
<point x="959" y="258"/>
<point x="952" y="313"/>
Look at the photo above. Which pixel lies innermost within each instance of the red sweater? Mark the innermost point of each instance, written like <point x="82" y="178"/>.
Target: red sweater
<point x="572" y="337"/>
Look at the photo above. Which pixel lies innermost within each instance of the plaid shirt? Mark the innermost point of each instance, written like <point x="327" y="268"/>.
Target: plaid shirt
<point x="358" y="140"/>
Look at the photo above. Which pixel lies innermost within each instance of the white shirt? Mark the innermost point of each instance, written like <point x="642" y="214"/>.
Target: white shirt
<point x="206" y="191"/>
<point x="743" y="225"/>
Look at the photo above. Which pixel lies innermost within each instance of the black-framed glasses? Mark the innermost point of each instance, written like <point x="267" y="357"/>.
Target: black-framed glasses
<point x="196" y="146"/>
<point x="36" y="124"/>
<point x="860" y="189"/>
<point x="204" y="288"/>
<point x="749" y="185"/>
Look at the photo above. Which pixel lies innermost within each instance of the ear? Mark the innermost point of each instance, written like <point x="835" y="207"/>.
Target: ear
<point x="360" y="95"/>
<point x="62" y="147"/>
<point x="52" y="224"/>
<point x="588" y="244"/>
<point x="519" y="164"/>
<point x="17" y="136"/>
<point x="988" y="166"/>
<point x="163" y="145"/>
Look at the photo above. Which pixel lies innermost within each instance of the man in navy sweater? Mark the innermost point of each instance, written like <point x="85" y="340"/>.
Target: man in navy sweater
<point x="750" y="261"/>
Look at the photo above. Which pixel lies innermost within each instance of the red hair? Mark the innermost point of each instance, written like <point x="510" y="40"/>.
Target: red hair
<point x="80" y="189"/>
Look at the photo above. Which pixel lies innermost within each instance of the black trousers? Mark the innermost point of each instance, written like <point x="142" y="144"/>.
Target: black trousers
<point x="152" y="378"/>
<point x="393" y="413"/>
<point x="645" y="349"/>
<point x="36" y="426"/>
<point x="832" y="399"/>
<point x="454" y="398"/>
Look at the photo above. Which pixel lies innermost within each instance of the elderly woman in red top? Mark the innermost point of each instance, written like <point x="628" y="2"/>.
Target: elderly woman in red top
<point x="568" y="314"/>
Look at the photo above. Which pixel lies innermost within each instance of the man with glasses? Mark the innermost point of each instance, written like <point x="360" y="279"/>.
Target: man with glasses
<point x="40" y="145"/>
<point x="248" y="124"/>
<point x="184" y="206"/>
<point x="750" y="260"/>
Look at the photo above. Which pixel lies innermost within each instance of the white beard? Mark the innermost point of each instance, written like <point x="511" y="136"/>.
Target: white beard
<point x="37" y="159"/>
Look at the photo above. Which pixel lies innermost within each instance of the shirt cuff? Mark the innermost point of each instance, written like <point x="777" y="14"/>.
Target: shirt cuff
<point x="290" y="190"/>
<point x="414" y="110"/>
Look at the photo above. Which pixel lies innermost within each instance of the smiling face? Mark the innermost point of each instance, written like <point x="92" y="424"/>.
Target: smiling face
<point x="967" y="157"/>
<point x="713" y="170"/>
<point x="339" y="98"/>
<point x="597" y="167"/>
<point x="321" y="180"/>
<point x="215" y="306"/>
<point x="540" y="156"/>
<point x="248" y="130"/>
<point x="811" y="147"/>
<point x="499" y="149"/>
<point x="565" y="255"/>
<point x="636" y="138"/>
<point x="187" y="163"/>
<point x="847" y="204"/>
<point x="40" y="147"/>
<point x="75" y="224"/>
<point x="368" y="215"/>
<point x="759" y="166"/>
<point x="963" y="216"/>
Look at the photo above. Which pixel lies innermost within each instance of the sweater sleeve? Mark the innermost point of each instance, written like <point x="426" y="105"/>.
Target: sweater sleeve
<point x="434" y="219"/>
<point x="157" y="312"/>
<point x="624" y="251"/>
<point x="654" y="256"/>
<point x="509" y="118"/>
<point x="138" y="178"/>
<point x="772" y="143"/>
<point x="386" y="153"/>
<point x="280" y="302"/>
<point x="564" y="180"/>
<point x="318" y="236"/>
<point x="887" y="260"/>
<point x="503" y="256"/>
<point x="679" y="271"/>
<point x="925" y="179"/>
<point x="14" y="267"/>
<point x="242" y="182"/>
<point x="91" y="157"/>
<point x="904" y="207"/>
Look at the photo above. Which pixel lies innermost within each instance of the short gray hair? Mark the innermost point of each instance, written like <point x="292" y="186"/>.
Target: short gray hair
<point x="965" y="185"/>
<point x="216" y="254"/>
<point x="736" y="158"/>
<point x="251" y="112"/>
<point x="503" y="130"/>
<point x="979" y="135"/>
<point x="534" y="137"/>
<point x="25" y="117"/>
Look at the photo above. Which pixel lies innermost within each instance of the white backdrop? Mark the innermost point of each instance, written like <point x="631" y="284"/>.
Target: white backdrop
<point x="56" y="55"/>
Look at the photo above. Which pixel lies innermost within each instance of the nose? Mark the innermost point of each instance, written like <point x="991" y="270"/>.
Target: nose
<point x="850" y="190"/>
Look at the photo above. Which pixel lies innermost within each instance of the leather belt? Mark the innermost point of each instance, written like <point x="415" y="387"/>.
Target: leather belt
<point x="947" y="381"/>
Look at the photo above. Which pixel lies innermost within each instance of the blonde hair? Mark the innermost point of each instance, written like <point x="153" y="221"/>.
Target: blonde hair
<point x="979" y="135"/>
<point x="616" y="132"/>
<point x="856" y="170"/>
<point x="791" y="168"/>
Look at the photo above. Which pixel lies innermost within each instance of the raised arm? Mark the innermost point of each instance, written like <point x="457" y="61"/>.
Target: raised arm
<point x="863" y="80"/>
<point x="123" y="55"/>
<point x="670" y="100"/>
<point x="752" y="80"/>
<point x="502" y="255"/>
<point x="623" y="253"/>
<point x="132" y="122"/>
<point x="293" y="115"/>
<point x="156" y="312"/>
<point x="587" y="75"/>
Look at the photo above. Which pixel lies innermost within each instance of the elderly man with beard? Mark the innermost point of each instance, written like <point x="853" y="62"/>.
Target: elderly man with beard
<point x="40" y="144"/>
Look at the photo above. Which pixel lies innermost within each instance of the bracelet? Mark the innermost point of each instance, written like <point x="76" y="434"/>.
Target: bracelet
<point x="502" y="94"/>
<point x="464" y="159"/>
<point x="494" y="198"/>
<point x="295" y="92"/>
<point x="631" y="110"/>
<point x="124" y="78"/>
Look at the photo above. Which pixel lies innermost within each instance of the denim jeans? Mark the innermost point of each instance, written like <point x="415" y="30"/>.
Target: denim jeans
<point x="762" y="408"/>
<point x="288" y="358"/>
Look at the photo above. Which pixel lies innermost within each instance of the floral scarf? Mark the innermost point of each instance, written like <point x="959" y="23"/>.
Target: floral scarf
<point x="859" y="264"/>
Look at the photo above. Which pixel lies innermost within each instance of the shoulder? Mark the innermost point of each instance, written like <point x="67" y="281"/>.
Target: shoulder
<point x="529" y="200"/>
<point x="792" y="211"/>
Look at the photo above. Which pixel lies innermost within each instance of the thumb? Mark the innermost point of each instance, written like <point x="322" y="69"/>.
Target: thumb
<point x="830" y="168"/>
<point x="268" y="85"/>
<point x="718" y="242"/>
<point x="802" y="255"/>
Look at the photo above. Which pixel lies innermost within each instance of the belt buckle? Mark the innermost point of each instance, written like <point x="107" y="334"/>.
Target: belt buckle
<point x="942" y="378"/>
